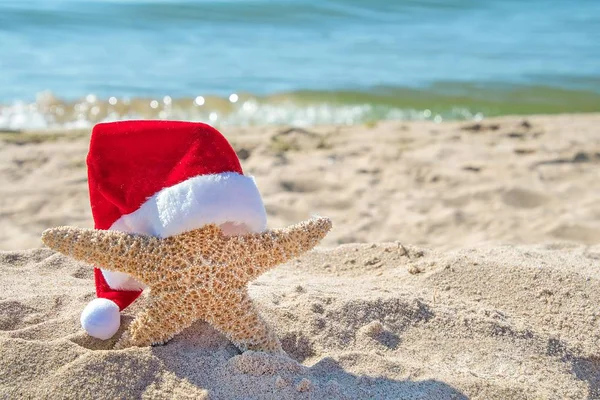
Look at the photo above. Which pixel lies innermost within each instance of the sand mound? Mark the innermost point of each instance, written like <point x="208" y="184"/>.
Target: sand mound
<point x="359" y="321"/>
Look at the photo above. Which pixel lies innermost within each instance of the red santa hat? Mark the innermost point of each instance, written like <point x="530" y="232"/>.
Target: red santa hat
<point x="161" y="178"/>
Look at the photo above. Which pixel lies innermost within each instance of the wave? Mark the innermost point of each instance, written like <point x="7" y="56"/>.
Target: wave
<point x="443" y="101"/>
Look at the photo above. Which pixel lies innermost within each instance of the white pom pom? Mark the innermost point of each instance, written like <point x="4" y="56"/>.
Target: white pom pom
<point x="101" y="318"/>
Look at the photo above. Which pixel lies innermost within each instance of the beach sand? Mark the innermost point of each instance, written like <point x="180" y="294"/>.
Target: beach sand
<point x="464" y="263"/>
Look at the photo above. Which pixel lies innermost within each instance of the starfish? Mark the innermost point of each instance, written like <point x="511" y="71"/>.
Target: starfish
<point x="200" y="274"/>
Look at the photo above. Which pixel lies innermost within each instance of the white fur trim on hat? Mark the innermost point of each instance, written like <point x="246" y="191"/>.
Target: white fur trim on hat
<point x="101" y="318"/>
<point x="222" y="199"/>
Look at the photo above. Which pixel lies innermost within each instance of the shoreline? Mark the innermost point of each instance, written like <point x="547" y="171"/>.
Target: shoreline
<point x="444" y="101"/>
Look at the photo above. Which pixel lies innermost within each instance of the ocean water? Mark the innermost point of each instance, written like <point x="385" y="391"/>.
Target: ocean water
<point x="71" y="63"/>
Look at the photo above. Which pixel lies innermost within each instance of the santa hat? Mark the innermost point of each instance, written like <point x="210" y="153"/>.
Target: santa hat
<point x="161" y="178"/>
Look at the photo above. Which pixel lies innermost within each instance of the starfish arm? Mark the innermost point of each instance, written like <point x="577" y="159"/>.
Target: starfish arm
<point x="137" y="255"/>
<point x="158" y="323"/>
<point x="257" y="253"/>
<point x="240" y="322"/>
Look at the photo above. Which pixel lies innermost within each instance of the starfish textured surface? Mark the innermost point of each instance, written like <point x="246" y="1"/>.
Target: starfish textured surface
<point x="200" y="274"/>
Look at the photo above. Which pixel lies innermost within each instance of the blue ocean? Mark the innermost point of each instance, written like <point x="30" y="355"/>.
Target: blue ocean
<point x="71" y="63"/>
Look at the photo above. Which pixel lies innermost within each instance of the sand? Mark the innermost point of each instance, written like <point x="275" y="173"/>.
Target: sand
<point x="478" y="275"/>
<point x="519" y="180"/>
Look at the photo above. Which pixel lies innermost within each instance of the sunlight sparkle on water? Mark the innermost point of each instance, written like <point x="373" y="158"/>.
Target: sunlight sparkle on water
<point x="199" y="101"/>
